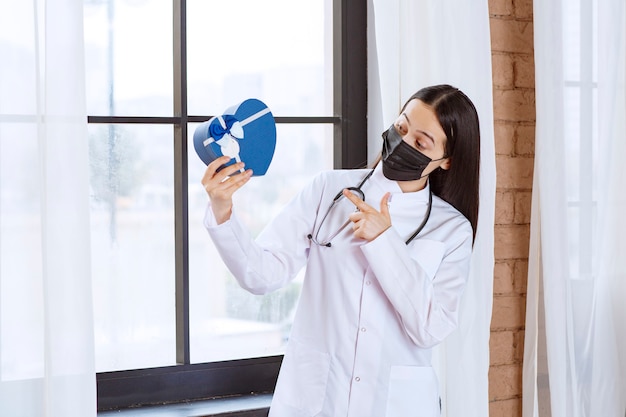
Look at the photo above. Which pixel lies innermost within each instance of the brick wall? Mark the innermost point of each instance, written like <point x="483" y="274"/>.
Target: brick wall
<point x="514" y="112"/>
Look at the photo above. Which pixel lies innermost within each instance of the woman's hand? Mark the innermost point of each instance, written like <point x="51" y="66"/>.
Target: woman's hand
<point x="220" y="186"/>
<point x="368" y="223"/>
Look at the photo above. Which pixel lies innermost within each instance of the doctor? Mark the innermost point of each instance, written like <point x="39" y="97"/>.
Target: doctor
<point x="387" y="253"/>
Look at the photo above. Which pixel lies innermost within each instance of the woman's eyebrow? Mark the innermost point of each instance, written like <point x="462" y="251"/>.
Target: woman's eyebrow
<point x="428" y="135"/>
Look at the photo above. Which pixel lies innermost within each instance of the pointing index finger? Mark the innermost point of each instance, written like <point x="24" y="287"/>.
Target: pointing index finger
<point x="360" y="204"/>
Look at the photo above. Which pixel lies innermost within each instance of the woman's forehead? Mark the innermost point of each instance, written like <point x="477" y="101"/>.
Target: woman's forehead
<point x="422" y="117"/>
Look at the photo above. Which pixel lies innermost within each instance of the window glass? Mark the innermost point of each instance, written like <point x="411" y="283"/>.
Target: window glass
<point x="129" y="64"/>
<point x="278" y="49"/>
<point x="226" y="321"/>
<point x="132" y="245"/>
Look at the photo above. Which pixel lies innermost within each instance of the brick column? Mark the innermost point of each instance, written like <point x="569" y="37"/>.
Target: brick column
<point x="514" y="113"/>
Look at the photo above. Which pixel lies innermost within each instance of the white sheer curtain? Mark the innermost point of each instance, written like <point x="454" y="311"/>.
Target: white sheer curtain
<point x="575" y="347"/>
<point x="46" y="330"/>
<point x="415" y="44"/>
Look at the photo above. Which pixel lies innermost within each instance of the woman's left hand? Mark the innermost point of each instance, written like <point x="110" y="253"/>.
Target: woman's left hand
<point x="368" y="223"/>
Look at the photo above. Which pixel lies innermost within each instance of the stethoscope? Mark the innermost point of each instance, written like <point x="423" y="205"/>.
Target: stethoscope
<point x="359" y="192"/>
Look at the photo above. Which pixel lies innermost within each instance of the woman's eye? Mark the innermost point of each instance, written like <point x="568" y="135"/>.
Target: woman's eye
<point x="421" y="143"/>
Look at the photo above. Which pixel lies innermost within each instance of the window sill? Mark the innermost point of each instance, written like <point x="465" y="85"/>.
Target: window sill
<point x="249" y="406"/>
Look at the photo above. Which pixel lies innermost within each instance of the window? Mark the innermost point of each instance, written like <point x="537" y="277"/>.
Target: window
<point x="581" y="100"/>
<point x="171" y="324"/>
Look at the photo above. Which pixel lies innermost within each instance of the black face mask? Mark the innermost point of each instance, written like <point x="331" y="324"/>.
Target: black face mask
<point x="401" y="161"/>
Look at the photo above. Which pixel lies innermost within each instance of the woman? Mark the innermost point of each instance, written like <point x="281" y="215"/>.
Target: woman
<point x="383" y="283"/>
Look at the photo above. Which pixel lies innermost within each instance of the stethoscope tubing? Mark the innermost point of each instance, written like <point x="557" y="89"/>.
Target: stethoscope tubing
<point x="359" y="191"/>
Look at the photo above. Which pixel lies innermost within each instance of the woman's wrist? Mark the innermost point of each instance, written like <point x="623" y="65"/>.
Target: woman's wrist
<point x="222" y="212"/>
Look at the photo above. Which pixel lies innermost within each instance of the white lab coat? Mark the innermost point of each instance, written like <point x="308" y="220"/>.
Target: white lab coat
<point x="369" y="313"/>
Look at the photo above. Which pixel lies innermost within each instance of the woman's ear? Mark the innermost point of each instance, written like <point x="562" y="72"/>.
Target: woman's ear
<point x="445" y="164"/>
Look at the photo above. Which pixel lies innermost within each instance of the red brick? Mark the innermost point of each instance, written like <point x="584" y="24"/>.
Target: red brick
<point x="514" y="105"/>
<point x="525" y="139"/>
<point x="511" y="36"/>
<point x="504" y="278"/>
<point x="519" y="346"/>
<point x="520" y="280"/>
<point x="524" y="70"/>
<point x="523" y="9"/>
<point x="503" y="70"/>
<point x="504" y="133"/>
<point x="514" y="173"/>
<point x="503" y="347"/>
<point x="501" y="7"/>
<point x="505" y="207"/>
<point x="523" y="201"/>
<point x="508" y="312"/>
<point x="505" y="382"/>
<point x="506" y="408"/>
<point x="511" y="242"/>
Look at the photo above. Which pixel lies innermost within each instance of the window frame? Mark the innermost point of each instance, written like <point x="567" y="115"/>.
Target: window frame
<point x="186" y="381"/>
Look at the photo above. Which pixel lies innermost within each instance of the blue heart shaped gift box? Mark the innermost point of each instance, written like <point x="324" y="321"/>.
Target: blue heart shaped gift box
<point x="245" y="132"/>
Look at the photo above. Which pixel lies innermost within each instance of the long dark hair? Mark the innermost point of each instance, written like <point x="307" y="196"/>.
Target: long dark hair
<point x="457" y="115"/>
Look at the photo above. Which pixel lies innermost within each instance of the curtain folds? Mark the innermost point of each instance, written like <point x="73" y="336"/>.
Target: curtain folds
<point x="414" y="44"/>
<point x="575" y="346"/>
<point x="46" y="330"/>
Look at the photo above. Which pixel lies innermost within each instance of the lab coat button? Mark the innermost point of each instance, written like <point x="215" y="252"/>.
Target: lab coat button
<point x="363" y="329"/>
<point x="357" y="379"/>
<point x="368" y="282"/>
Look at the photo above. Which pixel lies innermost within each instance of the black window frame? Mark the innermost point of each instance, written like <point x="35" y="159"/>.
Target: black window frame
<point x="186" y="381"/>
